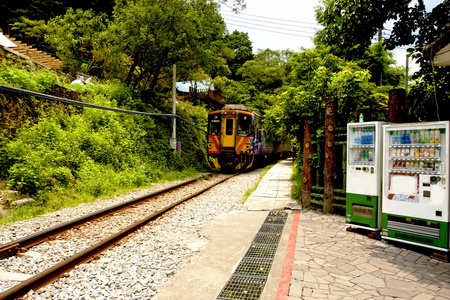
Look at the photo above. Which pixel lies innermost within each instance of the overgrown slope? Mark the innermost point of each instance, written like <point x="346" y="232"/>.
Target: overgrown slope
<point x="53" y="151"/>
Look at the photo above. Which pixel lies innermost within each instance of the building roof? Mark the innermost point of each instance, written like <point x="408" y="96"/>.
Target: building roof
<point x="205" y="85"/>
<point x="5" y="42"/>
<point x="439" y="51"/>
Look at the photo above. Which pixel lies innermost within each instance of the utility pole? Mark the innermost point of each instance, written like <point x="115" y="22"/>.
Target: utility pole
<point x="380" y="36"/>
<point x="173" y="139"/>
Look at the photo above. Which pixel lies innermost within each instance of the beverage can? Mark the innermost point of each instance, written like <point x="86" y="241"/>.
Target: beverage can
<point x="422" y="152"/>
<point x="437" y="136"/>
<point x="437" y="168"/>
<point x="437" y="152"/>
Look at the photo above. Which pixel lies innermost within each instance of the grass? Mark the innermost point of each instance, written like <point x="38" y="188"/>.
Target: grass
<point x="250" y="191"/>
<point x="57" y="200"/>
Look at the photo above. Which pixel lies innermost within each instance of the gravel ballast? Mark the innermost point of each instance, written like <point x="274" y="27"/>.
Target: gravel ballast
<point x="142" y="262"/>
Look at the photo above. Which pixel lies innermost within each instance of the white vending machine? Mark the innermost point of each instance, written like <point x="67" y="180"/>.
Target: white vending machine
<point x="364" y="173"/>
<point x="415" y="202"/>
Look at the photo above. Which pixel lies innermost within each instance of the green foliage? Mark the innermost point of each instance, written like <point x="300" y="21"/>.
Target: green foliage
<point x="378" y="61"/>
<point x="21" y="77"/>
<point x="241" y="45"/>
<point x="30" y="28"/>
<point x="76" y="151"/>
<point x="429" y="97"/>
<point x="349" y="25"/>
<point x="315" y="75"/>
<point x="266" y="71"/>
<point x="152" y="35"/>
<point x="75" y="33"/>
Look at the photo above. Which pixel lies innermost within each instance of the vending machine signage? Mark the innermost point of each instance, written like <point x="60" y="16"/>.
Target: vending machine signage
<point x="363" y="183"/>
<point x="415" y="201"/>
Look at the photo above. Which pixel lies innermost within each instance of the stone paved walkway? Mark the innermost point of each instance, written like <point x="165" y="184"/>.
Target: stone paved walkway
<point x="332" y="263"/>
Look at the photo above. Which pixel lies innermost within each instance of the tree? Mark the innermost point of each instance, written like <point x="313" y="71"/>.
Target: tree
<point x="317" y="75"/>
<point x="429" y="96"/>
<point x="379" y="62"/>
<point x="152" y="35"/>
<point x="266" y="71"/>
<point x="73" y="36"/>
<point x="44" y="10"/>
<point x="242" y="47"/>
<point x="349" y="25"/>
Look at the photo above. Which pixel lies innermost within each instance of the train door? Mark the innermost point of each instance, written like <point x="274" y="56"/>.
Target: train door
<point x="228" y="133"/>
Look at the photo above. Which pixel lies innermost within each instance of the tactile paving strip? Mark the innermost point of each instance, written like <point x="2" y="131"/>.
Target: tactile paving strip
<point x="250" y="276"/>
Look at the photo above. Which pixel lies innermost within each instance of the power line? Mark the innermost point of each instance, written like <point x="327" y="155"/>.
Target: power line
<point x="272" y="27"/>
<point x="268" y="22"/>
<point x="84" y="104"/>
<point x="284" y="20"/>
<point x="278" y="32"/>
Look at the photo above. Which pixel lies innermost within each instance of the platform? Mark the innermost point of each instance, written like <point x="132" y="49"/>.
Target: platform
<point x="316" y="258"/>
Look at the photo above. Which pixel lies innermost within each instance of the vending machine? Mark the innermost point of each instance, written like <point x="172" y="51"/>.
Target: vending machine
<point x="364" y="171"/>
<point x="415" y="202"/>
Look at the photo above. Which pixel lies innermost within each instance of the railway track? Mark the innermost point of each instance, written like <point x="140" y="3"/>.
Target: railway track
<point x="137" y="213"/>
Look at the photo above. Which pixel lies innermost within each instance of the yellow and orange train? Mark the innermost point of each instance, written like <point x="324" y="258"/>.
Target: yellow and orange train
<point x="236" y="140"/>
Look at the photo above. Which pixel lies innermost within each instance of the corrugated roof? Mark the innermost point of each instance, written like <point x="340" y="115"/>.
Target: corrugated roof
<point x="204" y="85"/>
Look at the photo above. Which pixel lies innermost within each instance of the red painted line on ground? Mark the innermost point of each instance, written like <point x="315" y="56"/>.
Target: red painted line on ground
<point x="286" y="273"/>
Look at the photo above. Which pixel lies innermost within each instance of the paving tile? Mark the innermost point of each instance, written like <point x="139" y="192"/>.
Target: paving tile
<point x="295" y="289"/>
<point x="422" y="296"/>
<point x="396" y="293"/>
<point x="369" y="280"/>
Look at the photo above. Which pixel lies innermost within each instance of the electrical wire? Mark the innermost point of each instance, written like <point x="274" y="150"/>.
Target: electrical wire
<point x="84" y="104"/>
<point x="243" y="19"/>
<point x="271" y="27"/>
<point x="284" y="20"/>
<point x="434" y="84"/>
<point x="278" y="32"/>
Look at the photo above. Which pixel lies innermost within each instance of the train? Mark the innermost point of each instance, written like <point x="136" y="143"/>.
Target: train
<point x="237" y="141"/>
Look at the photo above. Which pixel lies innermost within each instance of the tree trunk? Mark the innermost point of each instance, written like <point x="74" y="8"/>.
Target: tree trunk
<point x="397" y="106"/>
<point x="330" y="155"/>
<point x="306" y="166"/>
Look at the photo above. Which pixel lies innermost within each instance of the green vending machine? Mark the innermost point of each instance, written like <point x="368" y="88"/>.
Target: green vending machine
<point x="415" y="202"/>
<point x="364" y="174"/>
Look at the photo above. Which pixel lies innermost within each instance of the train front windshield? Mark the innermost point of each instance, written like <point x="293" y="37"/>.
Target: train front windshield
<point x="244" y="125"/>
<point x="215" y="124"/>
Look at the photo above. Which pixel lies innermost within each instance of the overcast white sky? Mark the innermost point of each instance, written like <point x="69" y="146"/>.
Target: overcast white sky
<point x="287" y="24"/>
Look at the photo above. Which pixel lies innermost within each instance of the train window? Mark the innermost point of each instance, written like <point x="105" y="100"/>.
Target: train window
<point x="215" y="124"/>
<point x="244" y="125"/>
<point x="229" y="127"/>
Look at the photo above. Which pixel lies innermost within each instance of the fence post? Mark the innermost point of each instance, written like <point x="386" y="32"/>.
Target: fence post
<point x="330" y="155"/>
<point x="397" y="106"/>
<point x="306" y="164"/>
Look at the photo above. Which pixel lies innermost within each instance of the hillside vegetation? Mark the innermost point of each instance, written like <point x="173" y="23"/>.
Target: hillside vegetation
<point x="61" y="154"/>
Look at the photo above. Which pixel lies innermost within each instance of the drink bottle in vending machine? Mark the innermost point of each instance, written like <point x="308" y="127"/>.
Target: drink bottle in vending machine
<point x="415" y="195"/>
<point x="363" y="180"/>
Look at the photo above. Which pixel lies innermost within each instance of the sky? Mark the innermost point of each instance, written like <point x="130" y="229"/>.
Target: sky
<point x="289" y="24"/>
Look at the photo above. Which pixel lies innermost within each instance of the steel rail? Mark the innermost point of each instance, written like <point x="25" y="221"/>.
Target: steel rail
<point x="51" y="274"/>
<point x="16" y="246"/>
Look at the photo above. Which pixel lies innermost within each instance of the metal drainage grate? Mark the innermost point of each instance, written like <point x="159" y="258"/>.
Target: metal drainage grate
<point x="249" y="278"/>
<point x="250" y="266"/>
<point x="243" y="287"/>
<point x="267" y="238"/>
